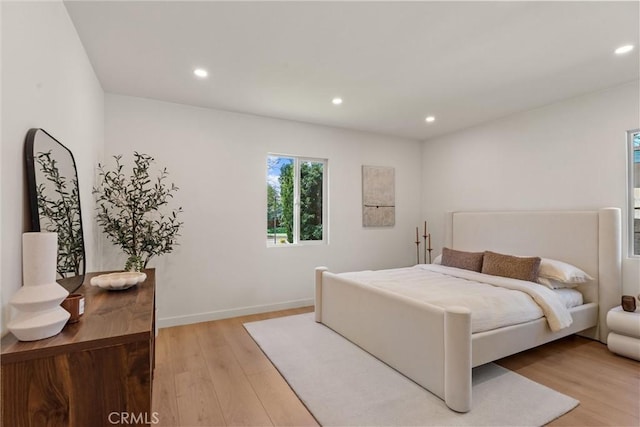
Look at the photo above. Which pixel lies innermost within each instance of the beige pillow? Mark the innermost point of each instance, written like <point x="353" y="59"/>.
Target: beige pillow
<point x="460" y="259"/>
<point x="522" y="268"/>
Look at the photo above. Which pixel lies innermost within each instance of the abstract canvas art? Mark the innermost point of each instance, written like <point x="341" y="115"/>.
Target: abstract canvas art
<point x="378" y="196"/>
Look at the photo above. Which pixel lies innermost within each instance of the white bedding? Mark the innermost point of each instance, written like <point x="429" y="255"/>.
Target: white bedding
<point x="570" y="297"/>
<point x="494" y="301"/>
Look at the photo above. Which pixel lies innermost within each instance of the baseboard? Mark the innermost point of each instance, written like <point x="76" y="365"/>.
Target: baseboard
<point x="167" y="322"/>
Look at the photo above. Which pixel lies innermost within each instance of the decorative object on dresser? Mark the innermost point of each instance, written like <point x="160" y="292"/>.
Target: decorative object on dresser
<point x="118" y="281"/>
<point x="130" y="210"/>
<point x="74" y="304"/>
<point x="624" y="338"/>
<point x="99" y="366"/>
<point x="38" y="300"/>
<point x="54" y="202"/>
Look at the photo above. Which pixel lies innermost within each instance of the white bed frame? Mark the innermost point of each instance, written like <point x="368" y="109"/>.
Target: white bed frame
<point x="434" y="346"/>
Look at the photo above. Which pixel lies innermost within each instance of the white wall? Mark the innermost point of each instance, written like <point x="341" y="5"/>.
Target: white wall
<point x="218" y="159"/>
<point x="47" y="82"/>
<point x="568" y="155"/>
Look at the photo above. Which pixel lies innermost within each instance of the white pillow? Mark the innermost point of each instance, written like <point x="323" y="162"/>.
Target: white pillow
<point x="561" y="272"/>
<point x="438" y="260"/>
<point x="554" y="284"/>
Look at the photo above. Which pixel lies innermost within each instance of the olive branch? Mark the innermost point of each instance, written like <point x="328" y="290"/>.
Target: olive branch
<point x="129" y="210"/>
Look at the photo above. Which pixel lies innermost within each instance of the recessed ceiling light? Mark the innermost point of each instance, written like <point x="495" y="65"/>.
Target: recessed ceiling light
<point x="336" y="101"/>
<point x="200" y="72"/>
<point x="624" y="49"/>
<point x="430" y="119"/>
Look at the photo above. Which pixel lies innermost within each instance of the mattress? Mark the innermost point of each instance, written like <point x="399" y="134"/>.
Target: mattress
<point x="494" y="302"/>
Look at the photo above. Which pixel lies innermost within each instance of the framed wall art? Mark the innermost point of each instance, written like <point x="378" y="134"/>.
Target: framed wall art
<point x="378" y="196"/>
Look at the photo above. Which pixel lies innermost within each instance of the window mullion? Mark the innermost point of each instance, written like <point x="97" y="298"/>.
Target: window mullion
<point x="296" y="201"/>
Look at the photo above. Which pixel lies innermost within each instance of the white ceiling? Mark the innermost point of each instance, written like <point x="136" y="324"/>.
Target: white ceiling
<point x="393" y="63"/>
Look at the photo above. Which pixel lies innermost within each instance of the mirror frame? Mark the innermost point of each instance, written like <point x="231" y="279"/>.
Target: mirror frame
<point x="69" y="283"/>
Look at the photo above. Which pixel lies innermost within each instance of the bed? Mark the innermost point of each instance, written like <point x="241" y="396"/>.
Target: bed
<point x="435" y="346"/>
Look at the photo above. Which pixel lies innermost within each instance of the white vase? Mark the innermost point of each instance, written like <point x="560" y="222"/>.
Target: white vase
<point x="39" y="314"/>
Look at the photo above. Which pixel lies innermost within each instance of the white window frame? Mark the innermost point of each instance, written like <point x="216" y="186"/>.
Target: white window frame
<point x="630" y="194"/>
<point x="297" y="162"/>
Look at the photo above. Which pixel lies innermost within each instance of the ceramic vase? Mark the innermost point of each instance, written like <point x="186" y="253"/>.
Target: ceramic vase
<point x="37" y="303"/>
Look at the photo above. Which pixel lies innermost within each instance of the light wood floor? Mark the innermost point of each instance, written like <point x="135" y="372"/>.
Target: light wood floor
<point x="213" y="374"/>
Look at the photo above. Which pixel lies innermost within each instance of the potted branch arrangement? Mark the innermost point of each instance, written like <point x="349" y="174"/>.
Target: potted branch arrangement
<point x="133" y="211"/>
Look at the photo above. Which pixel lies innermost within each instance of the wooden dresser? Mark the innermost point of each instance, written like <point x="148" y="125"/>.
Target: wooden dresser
<point x="96" y="372"/>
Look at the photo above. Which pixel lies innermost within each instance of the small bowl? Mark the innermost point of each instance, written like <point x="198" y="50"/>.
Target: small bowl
<point x="118" y="281"/>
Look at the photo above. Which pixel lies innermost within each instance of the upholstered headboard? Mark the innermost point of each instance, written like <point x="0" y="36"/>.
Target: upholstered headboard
<point x="590" y="240"/>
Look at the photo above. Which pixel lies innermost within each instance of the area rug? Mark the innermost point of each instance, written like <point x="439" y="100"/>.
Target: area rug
<point x="343" y="385"/>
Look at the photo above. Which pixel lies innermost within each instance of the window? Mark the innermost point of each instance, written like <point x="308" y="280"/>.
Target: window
<point x="296" y="200"/>
<point x="634" y="191"/>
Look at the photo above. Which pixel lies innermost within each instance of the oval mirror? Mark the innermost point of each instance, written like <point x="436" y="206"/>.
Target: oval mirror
<point x="54" y="202"/>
